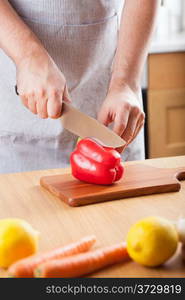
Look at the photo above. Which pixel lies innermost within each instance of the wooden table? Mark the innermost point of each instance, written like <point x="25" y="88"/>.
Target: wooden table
<point x="22" y="197"/>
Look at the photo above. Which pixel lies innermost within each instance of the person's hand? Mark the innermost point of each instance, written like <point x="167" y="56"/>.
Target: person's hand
<point x="122" y="107"/>
<point x="41" y="85"/>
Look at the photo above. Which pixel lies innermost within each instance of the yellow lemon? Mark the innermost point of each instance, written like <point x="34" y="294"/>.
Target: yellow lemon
<point x="152" y="241"/>
<point x="17" y="240"/>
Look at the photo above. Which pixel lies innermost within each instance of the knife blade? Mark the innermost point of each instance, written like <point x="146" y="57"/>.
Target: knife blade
<point x="84" y="126"/>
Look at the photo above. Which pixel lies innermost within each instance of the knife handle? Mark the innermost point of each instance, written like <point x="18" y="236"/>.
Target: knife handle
<point x="16" y="91"/>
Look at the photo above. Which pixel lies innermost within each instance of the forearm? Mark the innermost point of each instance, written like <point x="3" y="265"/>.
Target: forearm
<point x="137" y="26"/>
<point x="16" y="38"/>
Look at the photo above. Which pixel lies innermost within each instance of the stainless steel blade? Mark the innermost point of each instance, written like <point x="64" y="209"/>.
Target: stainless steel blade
<point x="84" y="126"/>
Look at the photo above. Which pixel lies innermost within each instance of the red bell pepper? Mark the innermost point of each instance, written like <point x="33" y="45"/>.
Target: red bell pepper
<point x="91" y="162"/>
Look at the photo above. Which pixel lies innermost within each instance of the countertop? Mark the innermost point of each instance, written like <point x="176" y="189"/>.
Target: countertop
<point x="21" y="196"/>
<point x="169" y="43"/>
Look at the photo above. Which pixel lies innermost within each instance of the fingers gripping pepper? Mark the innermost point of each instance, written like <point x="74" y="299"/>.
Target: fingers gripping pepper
<point x="91" y="162"/>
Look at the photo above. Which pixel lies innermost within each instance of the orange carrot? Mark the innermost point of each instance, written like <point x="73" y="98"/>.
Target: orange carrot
<point x="24" y="268"/>
<point x="83" y="263"/>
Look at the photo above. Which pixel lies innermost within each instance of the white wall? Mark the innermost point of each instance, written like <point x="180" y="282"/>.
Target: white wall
<point x="171" y="18"/>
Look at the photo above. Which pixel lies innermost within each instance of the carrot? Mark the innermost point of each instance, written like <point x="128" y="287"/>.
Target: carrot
<point x="84" y="263"/>
<point x="24" y="268"/>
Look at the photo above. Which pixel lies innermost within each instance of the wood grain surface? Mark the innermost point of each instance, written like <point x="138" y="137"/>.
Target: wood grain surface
<point x="138" y="180"/>
<point x="21" y="196"/>
<point x="166" y="71"/>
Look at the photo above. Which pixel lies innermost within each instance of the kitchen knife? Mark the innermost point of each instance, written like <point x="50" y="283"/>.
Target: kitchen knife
<point x="84" y="126"/>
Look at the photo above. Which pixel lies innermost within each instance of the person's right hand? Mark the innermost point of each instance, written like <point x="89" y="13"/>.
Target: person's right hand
<point x="41" y="85"/>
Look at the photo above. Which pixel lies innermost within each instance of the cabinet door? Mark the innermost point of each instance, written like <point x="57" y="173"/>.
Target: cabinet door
<point x="166" y="122"/>
<point x="166" y="104"/>
<point x="166" y="71"/>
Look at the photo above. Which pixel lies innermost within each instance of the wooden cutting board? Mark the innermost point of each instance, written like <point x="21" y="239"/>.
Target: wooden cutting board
<point x="138" y="180"/>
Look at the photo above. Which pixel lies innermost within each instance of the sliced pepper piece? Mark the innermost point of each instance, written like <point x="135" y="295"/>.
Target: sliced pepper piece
<point x="91" y="162"/>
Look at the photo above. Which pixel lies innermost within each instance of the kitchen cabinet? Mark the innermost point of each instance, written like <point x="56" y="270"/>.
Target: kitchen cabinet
<point x="166" y="104"/>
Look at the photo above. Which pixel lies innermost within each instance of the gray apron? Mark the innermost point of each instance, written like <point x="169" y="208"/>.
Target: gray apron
<point x="81" y="36"/>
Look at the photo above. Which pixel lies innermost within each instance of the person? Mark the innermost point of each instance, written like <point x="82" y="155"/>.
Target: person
<point x="90" y="52"/>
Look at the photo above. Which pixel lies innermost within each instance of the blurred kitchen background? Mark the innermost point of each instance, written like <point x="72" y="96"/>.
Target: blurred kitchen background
<point x="163" y="84"/>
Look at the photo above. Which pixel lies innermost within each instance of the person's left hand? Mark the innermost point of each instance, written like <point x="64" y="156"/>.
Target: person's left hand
<point x="122" y="107"/>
